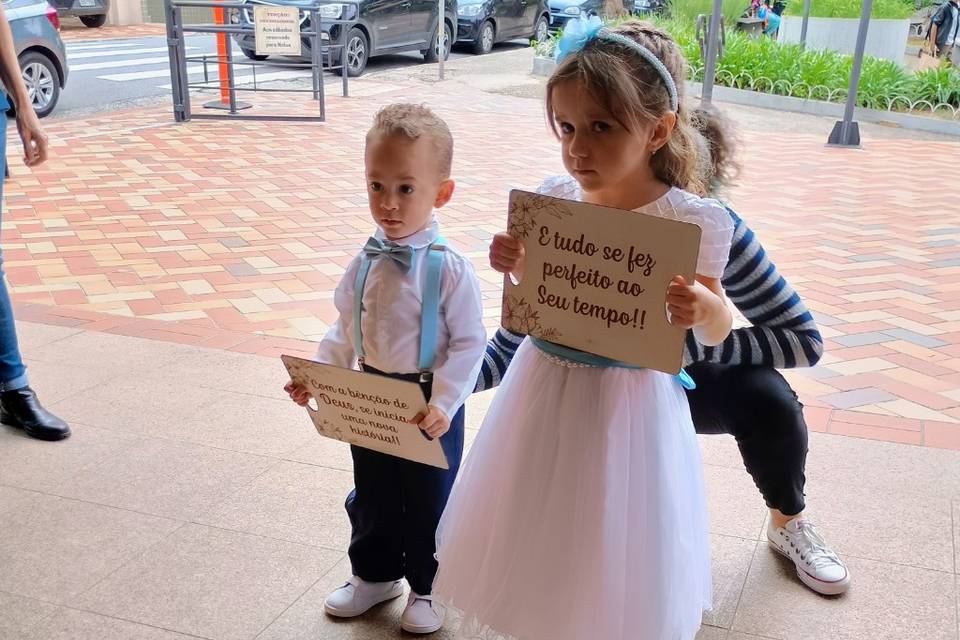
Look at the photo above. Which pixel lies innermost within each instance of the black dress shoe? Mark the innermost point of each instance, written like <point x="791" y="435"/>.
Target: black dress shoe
<point x="21" y="408"/>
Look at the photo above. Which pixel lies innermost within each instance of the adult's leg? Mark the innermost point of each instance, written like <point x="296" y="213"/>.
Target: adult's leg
<point x="19" y="405"/>
<point x="13" y="373"/>
<point x="758" y="407"/>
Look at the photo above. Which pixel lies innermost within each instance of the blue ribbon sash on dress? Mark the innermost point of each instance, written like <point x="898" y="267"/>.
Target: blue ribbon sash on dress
<point x="582" y="357"/>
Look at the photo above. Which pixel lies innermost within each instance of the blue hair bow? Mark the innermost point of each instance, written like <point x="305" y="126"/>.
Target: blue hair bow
<point x="582" y="30"/>
<point x="577" y="34"/>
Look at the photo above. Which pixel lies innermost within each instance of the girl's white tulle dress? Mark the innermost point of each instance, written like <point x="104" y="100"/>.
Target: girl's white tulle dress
<point x="579" y="513"/>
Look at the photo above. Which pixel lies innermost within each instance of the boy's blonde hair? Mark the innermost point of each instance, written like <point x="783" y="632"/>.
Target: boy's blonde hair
<point x="413" y="122"/>
<point x="634" y="92"/>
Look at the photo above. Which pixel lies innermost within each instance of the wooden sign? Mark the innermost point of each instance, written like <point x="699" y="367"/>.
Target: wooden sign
<point x="595" y="279"/>
<point x="276" y="30"/>
<point x="367" y="410"/>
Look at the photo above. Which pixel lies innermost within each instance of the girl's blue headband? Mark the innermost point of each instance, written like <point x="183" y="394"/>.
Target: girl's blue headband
<point x="579" y="32"/>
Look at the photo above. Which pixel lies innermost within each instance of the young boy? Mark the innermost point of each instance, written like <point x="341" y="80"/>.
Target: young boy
<point x="396" y="504"/>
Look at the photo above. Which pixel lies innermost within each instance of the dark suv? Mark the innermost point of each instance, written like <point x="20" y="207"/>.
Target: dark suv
<point x="92" y="13"/>
<point x="383" y="26"/>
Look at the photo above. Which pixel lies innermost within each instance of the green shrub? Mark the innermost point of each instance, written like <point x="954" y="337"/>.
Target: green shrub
<point x="937" y="86"/>
<point x="686" y="11"/>
<point x="762" y="64"/>
<point x="881" y="9"/>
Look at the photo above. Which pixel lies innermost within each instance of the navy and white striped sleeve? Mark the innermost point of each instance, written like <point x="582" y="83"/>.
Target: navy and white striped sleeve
<point x="784" y="334"/>
<point x="500" y="351"/>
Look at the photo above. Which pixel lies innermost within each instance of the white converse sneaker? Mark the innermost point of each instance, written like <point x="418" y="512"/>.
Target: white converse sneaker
<point x="422" y="614"/>
<point x="817" y="566"/>
<point x="357" y="596"/>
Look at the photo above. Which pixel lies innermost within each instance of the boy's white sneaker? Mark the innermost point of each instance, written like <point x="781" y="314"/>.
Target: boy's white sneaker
<point x="357" y="596"/>
<point x="422" y="614"/>
<point x="817" y="566"/>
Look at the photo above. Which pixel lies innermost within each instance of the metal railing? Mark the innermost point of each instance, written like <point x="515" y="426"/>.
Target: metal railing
<point x="325" y="55"/>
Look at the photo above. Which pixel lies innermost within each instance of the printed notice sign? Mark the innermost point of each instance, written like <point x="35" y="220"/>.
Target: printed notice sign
<point x="276" y="30"/>
<point x="367" y="410"/>
<point x="595" y="279"/>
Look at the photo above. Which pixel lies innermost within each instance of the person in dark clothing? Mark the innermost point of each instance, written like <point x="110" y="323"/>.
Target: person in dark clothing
<point x="944" y="29"/>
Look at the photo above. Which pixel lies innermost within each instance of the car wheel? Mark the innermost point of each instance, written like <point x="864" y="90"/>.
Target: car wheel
<point x="484" y="42"/>
<point x="433" y="53"/>
<point x="42" y="81"/>
<point x="94" y="22"/>
<point x="357" y="53"/>
<point x="542" y="30"/>
<point x="250" y="53"/>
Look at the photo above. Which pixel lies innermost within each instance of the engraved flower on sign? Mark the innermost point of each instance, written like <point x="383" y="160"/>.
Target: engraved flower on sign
<point x="529" y="320"/>
<point x="550" y="335"/>
<point x="520" y="316"/>
<point x="511" y="311"/>
<point x="525" y="210"/>
<point x="326" y="427"/>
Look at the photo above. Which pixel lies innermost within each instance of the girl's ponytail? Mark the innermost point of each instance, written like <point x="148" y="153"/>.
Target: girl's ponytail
<point x="718" y="147"/>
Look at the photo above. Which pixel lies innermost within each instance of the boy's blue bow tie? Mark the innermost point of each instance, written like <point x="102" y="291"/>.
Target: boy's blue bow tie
<point x="402" y="255"/>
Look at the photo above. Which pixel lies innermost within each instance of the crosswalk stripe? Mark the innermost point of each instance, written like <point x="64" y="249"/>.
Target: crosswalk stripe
<point x="154" y="73"/>
<point x="136" y="75"/>
<point x="194" y="68"/>
<point x="104" y="54"/>
<point x="93" y="46"/>
<point x="113" y="64"/>
<point x="247" y="78"/>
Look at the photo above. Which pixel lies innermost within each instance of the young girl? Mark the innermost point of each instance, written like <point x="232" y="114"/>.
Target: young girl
<point x="580" y="512"/>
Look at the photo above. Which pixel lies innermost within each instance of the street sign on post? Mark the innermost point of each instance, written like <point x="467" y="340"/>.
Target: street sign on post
<point x="846" y="133"/>
<point x="276" y="30"/>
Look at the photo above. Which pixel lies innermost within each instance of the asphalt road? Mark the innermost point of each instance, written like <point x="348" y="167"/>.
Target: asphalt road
<point x="107" y="74"/>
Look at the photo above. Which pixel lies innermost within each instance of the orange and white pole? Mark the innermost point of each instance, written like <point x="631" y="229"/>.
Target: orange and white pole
<point x="222" y="62"/>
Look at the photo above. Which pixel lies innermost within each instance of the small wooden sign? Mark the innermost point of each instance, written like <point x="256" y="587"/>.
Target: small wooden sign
<point x="276" y="30"/>
<point x="595" y="279"/>
<point x="367" y="410"/>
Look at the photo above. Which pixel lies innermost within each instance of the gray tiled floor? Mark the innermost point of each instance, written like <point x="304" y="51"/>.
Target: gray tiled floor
<point x="186" y="507"/>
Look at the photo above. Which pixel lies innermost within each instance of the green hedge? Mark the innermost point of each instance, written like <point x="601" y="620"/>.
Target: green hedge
<point x="881" y="9"/>
<point x="762" y="64"/>
<point x="786" y="69"/>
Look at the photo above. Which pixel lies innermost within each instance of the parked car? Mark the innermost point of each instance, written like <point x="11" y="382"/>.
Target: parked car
<point x="42" y="56"/>
<point x="383" y="27"/>
<point x="482" y="23"/>
<point x="649" y="7"/>
<point x="562" y="11"/>
<point x="92" y="13"/>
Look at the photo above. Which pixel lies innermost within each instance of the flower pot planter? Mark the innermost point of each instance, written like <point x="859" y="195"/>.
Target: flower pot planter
<point x="543" y="66"/>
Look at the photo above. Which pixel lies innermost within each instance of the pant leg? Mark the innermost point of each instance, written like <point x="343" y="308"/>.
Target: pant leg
<point x="375" y="507"/>
<point x="759" y="408"/>
<point x="426" y="490"/>
<point x="13" y="373"/>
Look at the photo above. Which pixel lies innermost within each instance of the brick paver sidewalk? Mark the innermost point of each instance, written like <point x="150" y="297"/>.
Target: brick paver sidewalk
<point x="234" y="235"/>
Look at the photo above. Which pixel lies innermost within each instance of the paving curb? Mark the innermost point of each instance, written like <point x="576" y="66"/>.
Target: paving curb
<point x="829" y="109"/>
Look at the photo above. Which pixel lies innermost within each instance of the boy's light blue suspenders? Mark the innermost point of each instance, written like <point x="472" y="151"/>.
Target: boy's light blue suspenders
<point x="429" y="316"/>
